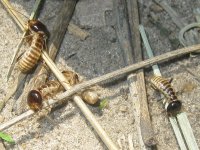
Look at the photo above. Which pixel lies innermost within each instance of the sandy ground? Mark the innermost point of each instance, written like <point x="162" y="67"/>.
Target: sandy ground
<point x="95" y="56"/>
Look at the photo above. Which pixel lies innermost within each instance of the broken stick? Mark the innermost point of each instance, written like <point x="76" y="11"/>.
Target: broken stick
<point x="145" y="126"/>
<point x="143" y="123"/>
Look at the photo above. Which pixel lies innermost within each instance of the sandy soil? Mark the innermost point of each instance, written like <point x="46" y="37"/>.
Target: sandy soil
<point x="99" y="54"/>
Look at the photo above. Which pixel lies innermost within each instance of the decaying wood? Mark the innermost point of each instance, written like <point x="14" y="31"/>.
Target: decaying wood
<point x="146" y="129"/>
<point x="122" y="29"/>
<point x="58" y="33"/>
<point x="123" y="32"/>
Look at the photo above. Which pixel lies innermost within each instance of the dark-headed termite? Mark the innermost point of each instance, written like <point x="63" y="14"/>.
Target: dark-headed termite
<point x="39" y="34"/>
<point x="36" y="97"/>
<point x="172" y="104"/>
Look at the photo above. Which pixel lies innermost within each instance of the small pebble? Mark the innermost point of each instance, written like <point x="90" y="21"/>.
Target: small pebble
<point x="156" y="8"/>
<point x="123" y="108"/>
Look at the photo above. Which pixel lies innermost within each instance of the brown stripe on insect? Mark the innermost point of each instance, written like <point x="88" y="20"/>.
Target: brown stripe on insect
<point x="172" y="104"/>
<point x="39" y="34"/>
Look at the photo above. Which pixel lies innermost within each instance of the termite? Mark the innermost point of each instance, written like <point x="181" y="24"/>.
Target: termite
<point x="39" y="35"/>
<point x="171" y="103"/>
<point x="37" y="96"/>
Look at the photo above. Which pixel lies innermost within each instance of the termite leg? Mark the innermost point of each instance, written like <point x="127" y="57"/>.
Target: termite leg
<point x="170" y="80"/>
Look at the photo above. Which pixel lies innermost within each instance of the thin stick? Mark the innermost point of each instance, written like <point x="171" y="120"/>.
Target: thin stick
<point x="187" y="131"/>
<point x="91" y="118"/>
<point x="13" y="121"/>
<point x="132" y="68"/>
<point x="13" y="13"/>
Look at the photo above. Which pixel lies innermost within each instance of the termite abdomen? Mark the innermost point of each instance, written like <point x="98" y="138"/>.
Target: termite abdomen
<point x="34" y="100"/>
<point x="30" y="58"/>
<point x="174" y="107"/>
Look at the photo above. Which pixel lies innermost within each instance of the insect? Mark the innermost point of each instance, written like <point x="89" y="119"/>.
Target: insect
<point x="39" y="35"/>
<point x="172" y="104"/>
<point x="37" y="96"/>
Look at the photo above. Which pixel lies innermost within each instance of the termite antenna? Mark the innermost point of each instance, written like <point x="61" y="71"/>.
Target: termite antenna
<point x="8" y="7"/>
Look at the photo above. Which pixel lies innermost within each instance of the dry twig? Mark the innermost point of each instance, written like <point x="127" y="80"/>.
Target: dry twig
<point x="123" y="31"/>
<point x="132" y="68"/>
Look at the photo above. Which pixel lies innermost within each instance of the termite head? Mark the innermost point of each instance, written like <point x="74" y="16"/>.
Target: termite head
<point x="36" y="26"/>
<point x="174" y="107"/>
<point x="34" y="100"/>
